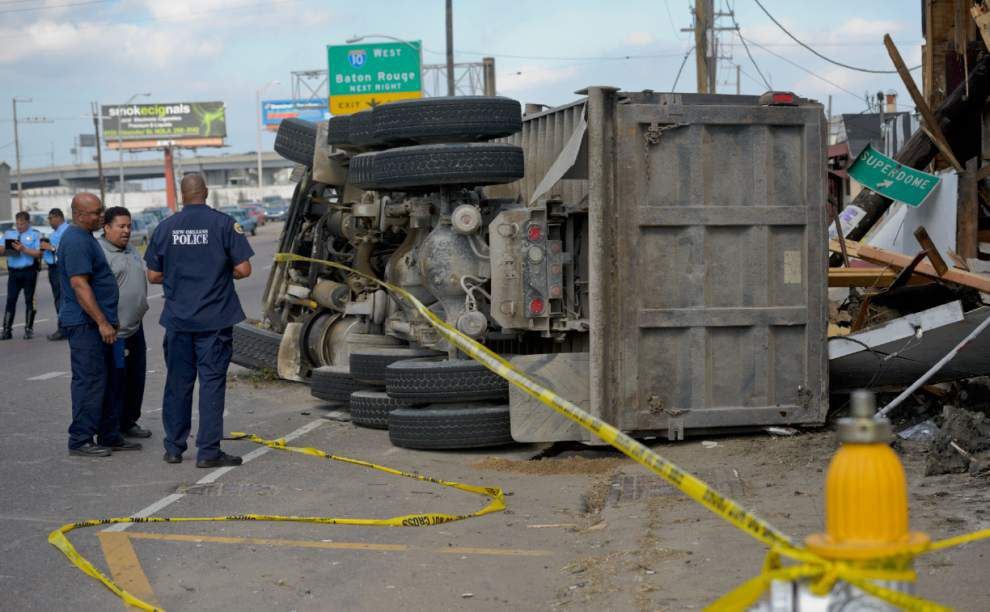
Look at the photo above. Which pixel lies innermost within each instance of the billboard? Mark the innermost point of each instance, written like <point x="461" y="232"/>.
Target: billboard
<point x="364" y="76"/>
<point x="274" y="111"/>
<point x="171" y="121"/>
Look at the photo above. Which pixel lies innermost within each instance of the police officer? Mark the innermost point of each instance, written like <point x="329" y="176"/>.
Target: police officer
<point x="89" y="318"/>
<point x="22" y="272"/>
<point x="196" y="254"/>
<point x="56" y="219"/>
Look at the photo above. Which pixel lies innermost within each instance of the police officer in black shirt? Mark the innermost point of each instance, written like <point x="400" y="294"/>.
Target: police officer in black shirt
<point x="196" y="254"/>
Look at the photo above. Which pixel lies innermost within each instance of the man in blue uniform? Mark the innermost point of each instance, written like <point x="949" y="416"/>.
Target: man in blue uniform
<point x="89" y="320"/>
<point x="22" y="246"/>
<point x="56" y="219"/>
<point x="196" y="254"/>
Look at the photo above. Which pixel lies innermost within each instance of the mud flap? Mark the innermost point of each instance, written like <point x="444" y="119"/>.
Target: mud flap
<point x="290" y="365"/>
<point x="567" y="375"/>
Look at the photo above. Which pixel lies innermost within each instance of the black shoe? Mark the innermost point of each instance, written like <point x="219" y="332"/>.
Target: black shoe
<point x="224" y="460"/>
<point x="90" y="450"/>
<point x="6" y="334"/>
<point x="28" y="333"/>
<point x="170" y="458"/>
<point x="124" y="445"/>
<point x="56" y="335"/>
<point x="136" y="431"/>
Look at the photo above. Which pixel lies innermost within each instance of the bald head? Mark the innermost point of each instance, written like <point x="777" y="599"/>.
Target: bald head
<point x="194" y="189"/>
<point x="87" y="210"/>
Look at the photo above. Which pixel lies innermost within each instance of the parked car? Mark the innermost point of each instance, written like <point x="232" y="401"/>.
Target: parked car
<point x="161" y="212"/>
<point x="275" y="212"/>
<point x="140" y="234"/>
<point x="256" y="211"/>
<point x="149" y="220"/>
<point x="248" y="224"/>
<point x="39" y="221"/>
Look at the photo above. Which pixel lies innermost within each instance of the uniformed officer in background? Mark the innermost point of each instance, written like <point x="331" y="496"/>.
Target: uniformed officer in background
<point x="22" y="246"/>
<point x="56" y="219"/>
<point x="125" y="382"/>
<point x="196" y="254"/>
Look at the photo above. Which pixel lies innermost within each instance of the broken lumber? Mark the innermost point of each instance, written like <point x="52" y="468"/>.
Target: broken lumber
<point x="959" y="117"/>
<point x="926" y="242"/>
<point x="867" y="277"/>
<point x="935" y="131"/>
<point x="872" y="254"/>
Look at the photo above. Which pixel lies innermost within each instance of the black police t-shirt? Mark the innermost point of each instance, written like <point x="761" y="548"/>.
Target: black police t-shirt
<point x="197" y="250"/>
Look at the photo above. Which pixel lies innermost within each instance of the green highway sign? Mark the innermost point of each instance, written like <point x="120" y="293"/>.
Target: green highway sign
<point x="364" y="76"/>
<point x="891" y="179"/>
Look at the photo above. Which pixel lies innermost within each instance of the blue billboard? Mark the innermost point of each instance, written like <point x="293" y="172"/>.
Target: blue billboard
<point x="274" y="111"/>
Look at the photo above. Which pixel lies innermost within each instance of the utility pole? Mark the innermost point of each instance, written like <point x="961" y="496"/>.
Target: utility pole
<point x="120" y="144"/>
<point x="95" y="106"/>
<point x="17" y="152"/>
<point x="705" y="53"/>
<point x="738" y="71"/>
<point x="488" y="74"/>
<point x="450" y="48"/>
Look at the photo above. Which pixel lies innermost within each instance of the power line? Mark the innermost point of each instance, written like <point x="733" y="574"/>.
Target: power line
<point x="814" y="74"/>
<point x="25" y="9"/>
<point x="748" y="54"/>
<point x="560" y="58"/>
<point x="670" y="18"/>
<point x="827" y="59"/>
<point x="679" y="70"/>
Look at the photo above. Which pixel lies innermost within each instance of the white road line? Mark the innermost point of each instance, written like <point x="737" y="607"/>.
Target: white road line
<point x="36" y="321"/>
<point x="168" y="500"/>
<point x="157" y="295"/>
<point x="48" y="375"/>
<point x="268" y="267"/>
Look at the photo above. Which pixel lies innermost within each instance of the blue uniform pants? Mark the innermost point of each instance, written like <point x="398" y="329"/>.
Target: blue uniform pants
<point x="21" y="279"/>
<point x="188" y="355"/>
<point x="126" y="384"/>
<point x="91" y="360"/>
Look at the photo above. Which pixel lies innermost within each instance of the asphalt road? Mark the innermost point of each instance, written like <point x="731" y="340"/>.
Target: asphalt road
<point x="594" y="532"/>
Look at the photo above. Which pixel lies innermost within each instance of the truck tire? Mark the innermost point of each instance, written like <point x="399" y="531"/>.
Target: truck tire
<point x="361" y="171"/>
<point x="450" y="427"/>
<point x="447" y="164"/>
<point x="338" y="130"/>
<point x="428" y="381"/>
<point x="296" y="141"/>
<point x="370" y="365"/>
<point x="255" y="347"/>
<point x="447" y="119"/>
<point x="334" y="384"/>
<point x="371" y="408"/>
<point x="361" y="130"/>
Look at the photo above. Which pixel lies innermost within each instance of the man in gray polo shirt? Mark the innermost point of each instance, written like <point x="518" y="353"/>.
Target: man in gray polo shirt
<point x="125" y="386"/>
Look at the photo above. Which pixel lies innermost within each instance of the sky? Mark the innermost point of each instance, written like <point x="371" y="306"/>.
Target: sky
<point x="63" y="54"/>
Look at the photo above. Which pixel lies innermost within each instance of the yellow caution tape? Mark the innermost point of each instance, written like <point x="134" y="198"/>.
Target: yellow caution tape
<point x="425" y="519"/>
<point x="822" y="572"/>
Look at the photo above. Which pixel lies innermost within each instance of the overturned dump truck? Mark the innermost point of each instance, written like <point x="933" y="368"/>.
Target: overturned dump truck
<point x="657" y="258"/>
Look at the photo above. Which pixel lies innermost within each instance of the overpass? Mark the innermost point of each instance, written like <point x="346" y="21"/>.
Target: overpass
<point x="219" y="170"/>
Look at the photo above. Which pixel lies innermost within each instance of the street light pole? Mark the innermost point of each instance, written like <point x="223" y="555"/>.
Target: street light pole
<point x="257" y="99"/>
<point x="120" y="144"/>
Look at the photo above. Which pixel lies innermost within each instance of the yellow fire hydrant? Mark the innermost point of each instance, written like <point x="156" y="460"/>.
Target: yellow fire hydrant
<point x="866" y="517"/>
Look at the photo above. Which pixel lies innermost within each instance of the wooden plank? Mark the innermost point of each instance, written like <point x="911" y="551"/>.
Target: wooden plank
<point x="926" y="242"/>
<point x="932" y="124"/>
<point x="868" y="277"/>
<point x="967" y="212"/>
<point x="872" y="254"/>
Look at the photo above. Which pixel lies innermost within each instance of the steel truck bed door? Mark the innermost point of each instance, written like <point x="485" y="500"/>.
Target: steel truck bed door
<point x="711" y="263"/>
